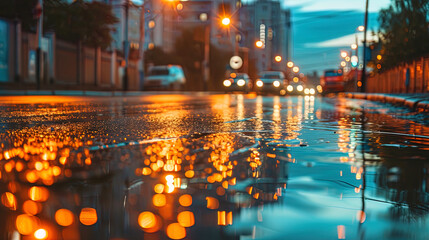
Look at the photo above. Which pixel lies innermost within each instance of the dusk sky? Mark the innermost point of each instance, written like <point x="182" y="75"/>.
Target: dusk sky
<point x="322" y="28"/>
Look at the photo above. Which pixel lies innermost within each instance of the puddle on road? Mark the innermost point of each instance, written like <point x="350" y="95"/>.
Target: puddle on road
<point x="242" y="168"/>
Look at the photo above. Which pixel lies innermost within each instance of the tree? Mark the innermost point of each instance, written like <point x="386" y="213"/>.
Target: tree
<point x="21" y="10"/>
<point x="189" y="48"/>
<point x="189" y="53"/>
<point x="88" y="22"/>
<point x="404" y="31"/>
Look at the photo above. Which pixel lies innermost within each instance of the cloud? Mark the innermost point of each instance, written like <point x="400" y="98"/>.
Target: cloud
<point x="323" y="5"/>
<point x="344" y="41"/>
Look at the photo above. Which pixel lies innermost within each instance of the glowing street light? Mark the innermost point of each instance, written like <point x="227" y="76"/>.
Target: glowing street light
<point x="344" y="54"/>
<point x="290" y="64"/>
<point x="278" y="58"/>
<point x="295" y="69"/>
<point x="226" y="21"/>
<point x="361" y="28"/>
<point x="354" y="46"/>
<point x="259" y="44"/>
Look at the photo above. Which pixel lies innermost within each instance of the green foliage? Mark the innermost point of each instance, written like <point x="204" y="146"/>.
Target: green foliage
<point x="88" y="22"/>
<point x="404" y="31"/>
<point x="19" y="9"/>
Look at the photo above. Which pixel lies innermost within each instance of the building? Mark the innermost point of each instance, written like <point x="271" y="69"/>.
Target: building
<point x="265" y="21"/>
<point x="167" y="20"/>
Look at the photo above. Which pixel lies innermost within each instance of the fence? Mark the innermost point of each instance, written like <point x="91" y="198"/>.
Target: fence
<point x="408" y="78"/>
<point x="64" y="65"/>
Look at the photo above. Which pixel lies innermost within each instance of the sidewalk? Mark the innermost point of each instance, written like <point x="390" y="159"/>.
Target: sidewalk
<point x="415" y="101"/>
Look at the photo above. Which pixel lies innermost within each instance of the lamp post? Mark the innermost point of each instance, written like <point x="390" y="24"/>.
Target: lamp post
<point x="226" y="21"/>
<point x="39" y="9"/>
<point x="363" y="77"/>
<point x="126" y="47"/>
<point x="355" y="58"/>
<point x="206" y="67"/>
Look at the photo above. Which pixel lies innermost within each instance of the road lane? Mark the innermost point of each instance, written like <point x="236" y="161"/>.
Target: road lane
<point x="253" y="166"/>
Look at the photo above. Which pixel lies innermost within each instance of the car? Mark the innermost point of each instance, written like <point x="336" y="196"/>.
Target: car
<point x="295" y="88"/>
<point x="165" y="77"/>
<point x="238" y="82"/>
<point x="332" y="81"/>
<point x="271" y="82"/>
<point x="299" y="88"/>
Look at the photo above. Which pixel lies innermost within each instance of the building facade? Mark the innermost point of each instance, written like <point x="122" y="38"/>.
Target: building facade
<point x="266" y="21"/>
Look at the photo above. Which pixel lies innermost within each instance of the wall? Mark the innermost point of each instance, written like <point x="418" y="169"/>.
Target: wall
<point x="64" y="66"/>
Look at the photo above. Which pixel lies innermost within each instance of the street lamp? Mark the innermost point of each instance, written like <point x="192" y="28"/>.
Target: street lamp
<point x="278" y="58"/>
<point x="363" y="78"/>
<point x="295" y="69"/>
<point x="259" y="44"/>
<point x="344" y="54"/>
<point x="290" y="64"/>
<point x="226" y="21"/>
<point x="39" y="12"/>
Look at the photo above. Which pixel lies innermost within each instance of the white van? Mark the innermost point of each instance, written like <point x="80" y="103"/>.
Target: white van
<point x="169" y="77"/>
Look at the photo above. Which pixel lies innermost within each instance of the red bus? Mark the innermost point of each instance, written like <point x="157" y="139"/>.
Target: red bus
<point x="332" y="81"/>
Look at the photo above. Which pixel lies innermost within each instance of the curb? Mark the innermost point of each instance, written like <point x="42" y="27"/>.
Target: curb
<point x="417" y="102"/>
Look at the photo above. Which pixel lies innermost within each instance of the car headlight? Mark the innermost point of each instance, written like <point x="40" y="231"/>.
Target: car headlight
<point x="290" y="88"/>
<point x="306" y="91"/>
<point x="312" y="91"/>
<point x="259" y="83"/>
<point x="241" y="82"/>
<point x="276" y="84"/>
<point x="227" y="83"/>
<point x="299" y="88"/>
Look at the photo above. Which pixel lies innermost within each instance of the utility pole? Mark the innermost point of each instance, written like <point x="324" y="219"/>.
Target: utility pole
<point x="39" y="44"/>
<point x="206" y="64"/>
<point x="363" y="78"/>
<point x="126" y="47"/>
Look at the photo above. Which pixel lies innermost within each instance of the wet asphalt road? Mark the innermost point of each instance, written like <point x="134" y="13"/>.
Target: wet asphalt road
<point x="212" y="167"/>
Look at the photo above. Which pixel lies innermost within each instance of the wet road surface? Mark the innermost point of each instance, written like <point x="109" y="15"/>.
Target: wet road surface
<point x="212" y="167"/>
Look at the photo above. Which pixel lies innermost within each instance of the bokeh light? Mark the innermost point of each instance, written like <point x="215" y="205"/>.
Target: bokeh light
<point x="26" y="224"/>
<point x="176" y="231"/>
<point x="64" y="217"/>
<point x="41" y="234"/>
<point x="185" y="200"/>
<point x="88" y="216"/>
<point x="186" y="219"/>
